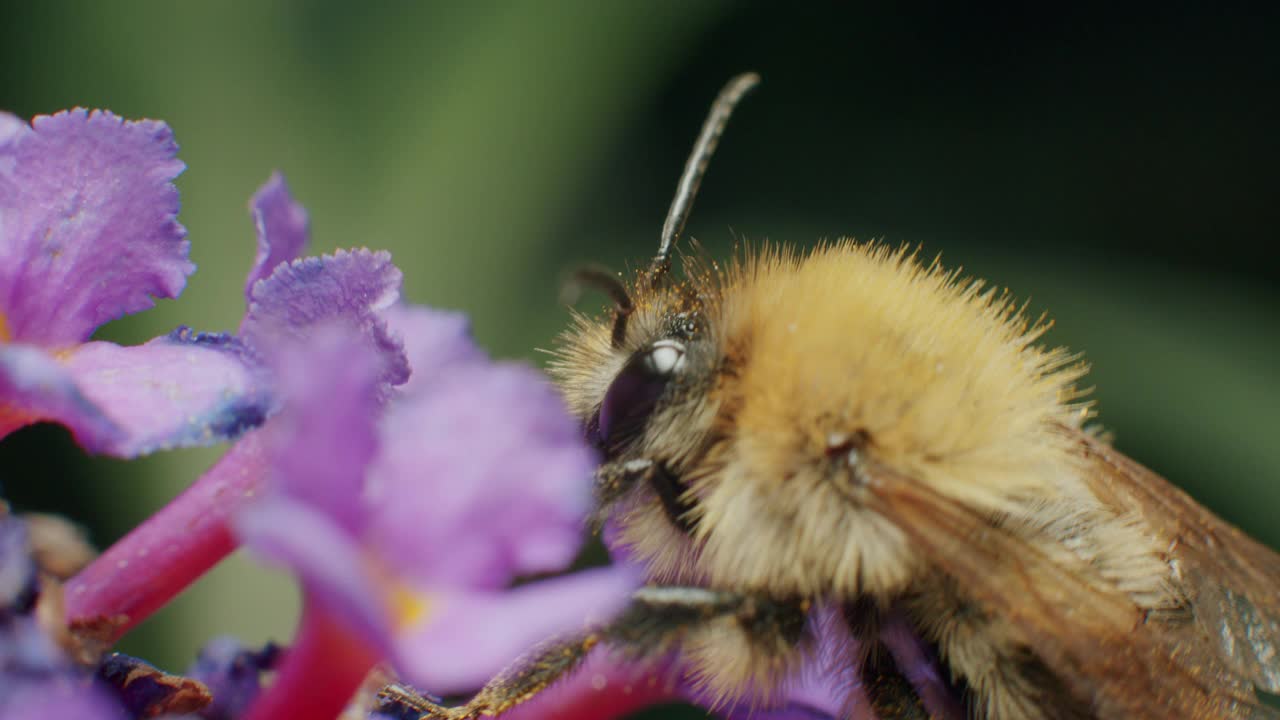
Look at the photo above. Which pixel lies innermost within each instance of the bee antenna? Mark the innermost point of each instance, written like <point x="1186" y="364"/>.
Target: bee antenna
<point x="695" y="167"/>
<point x="599" y="278"/>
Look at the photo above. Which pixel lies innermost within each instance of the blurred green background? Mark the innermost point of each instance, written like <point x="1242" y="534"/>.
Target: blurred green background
<point x="1117" y="166"/>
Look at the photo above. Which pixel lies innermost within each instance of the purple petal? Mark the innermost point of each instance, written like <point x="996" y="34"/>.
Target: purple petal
<point x="348" y="288"/>
<point x="179" y="390"/>
<point x="793" y="711"/>
<point x="12" y="128"/>
<point x="921" y="667"/>
<point x="433" y="339"/>
<point x="482" y="476"/>
<point x="282" y="227"/>
<point x="27" y="651"/>
<point x="325" y="437"/>
<point x="468" y="637"/>
<point x="88" y="228"/>
<point x="804" y="698"/>
<point x="34" y="387"/>
<point x="17" y="571"/>
<point x="232" y="674"/>
<point x="55" y="699"/>
<point x="331" y="567"/>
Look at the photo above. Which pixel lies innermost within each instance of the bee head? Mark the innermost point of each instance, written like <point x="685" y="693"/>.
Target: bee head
<point x="642" y="393"/>
<point x="648" y="400"/>
<point x="640" y="382"/>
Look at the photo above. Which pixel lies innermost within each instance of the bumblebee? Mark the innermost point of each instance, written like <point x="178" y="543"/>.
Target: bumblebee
<point x="852" y="433"/>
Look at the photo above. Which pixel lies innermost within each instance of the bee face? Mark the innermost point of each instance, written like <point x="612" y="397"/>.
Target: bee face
<point x="650" y="397"/>
<point x="628" y="393"/>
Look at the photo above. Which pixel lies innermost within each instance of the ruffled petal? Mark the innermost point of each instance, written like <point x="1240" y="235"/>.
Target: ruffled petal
<point x="509" y="479"/>
<point x="467" y="637"/>
<point x="325" y="437"/>
<point x="331" y="568"/>
<point x="179" y="390"/>
<point x="34" y="388"/>
<point x="321" y="444"/>
<point x="88" y="223"/>
<point x="12" y="128"/>
<point x="433" y="339"/>
<point x="282" y="227"/>
<point x="348" y="288"/>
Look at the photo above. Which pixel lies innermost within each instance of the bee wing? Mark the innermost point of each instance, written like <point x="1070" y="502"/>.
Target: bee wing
<point x="1095" y="638"/>
<point x="1232" y="580"/>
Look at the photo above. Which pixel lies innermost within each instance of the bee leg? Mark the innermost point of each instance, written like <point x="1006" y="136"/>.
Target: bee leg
<point x="887" y="689"/>
<point x="658" y="616"/>
<point x="891" y="692"/>
<point x="527" y="677"/>
<point x="650" y="626"/>
<point x="613" y="480"/>
<point x="401" y="702"/>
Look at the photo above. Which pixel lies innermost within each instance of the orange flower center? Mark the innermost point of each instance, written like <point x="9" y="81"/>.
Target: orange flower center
<point x="408" y="607"/>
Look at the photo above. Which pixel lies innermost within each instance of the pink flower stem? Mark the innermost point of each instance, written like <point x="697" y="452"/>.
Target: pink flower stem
<point x="168" y="551"/>
<point x="603" y="689"/>
<point x="321" y="671"/>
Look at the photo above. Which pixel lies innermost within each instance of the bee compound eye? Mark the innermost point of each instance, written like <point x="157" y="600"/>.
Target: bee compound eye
<point x="634" y="393"/>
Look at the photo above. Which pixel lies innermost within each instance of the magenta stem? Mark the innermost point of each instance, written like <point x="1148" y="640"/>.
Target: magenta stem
<point x="603" y="689"/>
<point x="169" y="550"/>
<point x="321" y="671"/>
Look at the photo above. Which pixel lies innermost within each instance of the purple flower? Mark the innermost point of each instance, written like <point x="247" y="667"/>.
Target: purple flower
<point x="88" y="233"/>
<point x="232" y="674"/>
<point x="282" y="226"/>
<point x="288" y="300"/>
<point x="405" y="514"/>
<point x="57" y="699"/>
<point x="36" y="678"/>
<point x="405" y="520"/>
<point x="17" y="571"/>
<point x="44" y="668"/>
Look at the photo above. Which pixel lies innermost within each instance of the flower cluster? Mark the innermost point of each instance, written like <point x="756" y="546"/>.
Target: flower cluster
<point x="403" y="477"/>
